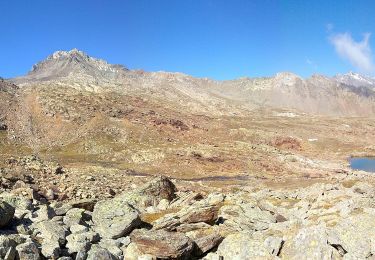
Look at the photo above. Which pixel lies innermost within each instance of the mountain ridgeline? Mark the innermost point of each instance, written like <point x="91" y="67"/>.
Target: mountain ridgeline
<point x="343" y="95"/>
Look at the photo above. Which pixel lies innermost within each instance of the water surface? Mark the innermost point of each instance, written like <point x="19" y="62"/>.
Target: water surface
<point x="363" y="163"/>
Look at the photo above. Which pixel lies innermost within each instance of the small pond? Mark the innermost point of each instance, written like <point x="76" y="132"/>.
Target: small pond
<point x="363" y="163"/>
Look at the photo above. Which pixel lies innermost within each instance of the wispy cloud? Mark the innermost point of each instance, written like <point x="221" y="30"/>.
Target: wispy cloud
<point x="329" y="27"/>
<point x="359" y="53"/>
<point x="311" y="63"/>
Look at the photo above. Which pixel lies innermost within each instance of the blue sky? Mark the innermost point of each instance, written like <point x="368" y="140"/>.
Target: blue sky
<point x="204" y="38"/>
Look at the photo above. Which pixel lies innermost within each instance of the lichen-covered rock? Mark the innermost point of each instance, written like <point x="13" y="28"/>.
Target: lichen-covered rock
<point x="53" y="235"/>
<point x="245" y="217"/>
<point x="73" y="216"/>
<point x="242" y="246"/>
<point x="81" y="241"/>
<point x="113" y="246"/>
<point x="355" y="235"/>
<point x="115" y="218"/>
<point x="308" y="243"/>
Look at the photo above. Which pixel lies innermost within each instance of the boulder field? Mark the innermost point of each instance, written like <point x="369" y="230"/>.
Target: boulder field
<point x="156" y="221"/>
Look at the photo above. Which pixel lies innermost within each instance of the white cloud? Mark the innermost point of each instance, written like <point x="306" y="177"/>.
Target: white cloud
<point x="357" y="53"/>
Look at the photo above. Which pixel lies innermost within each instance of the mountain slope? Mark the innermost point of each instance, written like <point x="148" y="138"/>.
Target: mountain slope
<point x="344" y="95"/>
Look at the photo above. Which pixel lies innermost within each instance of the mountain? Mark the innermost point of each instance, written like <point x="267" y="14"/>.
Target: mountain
<point x="355" y="80"/>
<point x="344" y="95"/>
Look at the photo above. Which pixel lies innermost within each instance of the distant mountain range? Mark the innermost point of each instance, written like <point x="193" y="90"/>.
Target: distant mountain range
<point x="343" y="95"/>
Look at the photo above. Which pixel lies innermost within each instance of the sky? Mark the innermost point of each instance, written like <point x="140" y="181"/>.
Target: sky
<point x="219" y="39"/>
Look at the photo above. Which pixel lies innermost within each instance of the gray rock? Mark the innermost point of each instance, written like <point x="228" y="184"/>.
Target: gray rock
<point x="9" y="242"/>
<point x="241" y="246"/>
<point x="17" y="202"/>
<point x="355" y="235"/>
<point x="115" y="218"/>
<point x="81" y="241"/>
<point x="73" y="216"/>
<point x="309" y="243"/>
<point x="11" y="254"/>
<point x="151" y="193"/>
<point x="113" y="246"/>
<point x="53" y="234"/>
<point x="28" y="251"/>
<point x="78" y="228"/>
<point x="6" y="213"/>
<point x="98" y="253"/>
<point x="61" y="208"/>
<point x="245" y="217"/>
<point x="45" y="212"/>
<point x="273" y="244"/>
<point x="81" y="255"/>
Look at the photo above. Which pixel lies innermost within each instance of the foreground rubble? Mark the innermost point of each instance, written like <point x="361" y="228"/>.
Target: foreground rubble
<point x="155" y="221"/>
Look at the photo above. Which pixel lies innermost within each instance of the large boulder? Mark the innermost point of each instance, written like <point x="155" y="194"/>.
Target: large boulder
<point x="245" y="217"/>
<point x="151" y="193"/>
<point x="308" y="243"/>
<point x="242" y="246"/>
<point x="115" y="218"/>
<point x="6" y="213"/>
<point x="203" y="244"/>
<point x="162" y="244"/>
<point x="203" y="211"/>
<point x="53" y="236"/>
<point x="355" y="235"/>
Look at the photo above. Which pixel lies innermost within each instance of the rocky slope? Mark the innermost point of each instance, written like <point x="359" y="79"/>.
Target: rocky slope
<point x="157" y="221"/>
<point x="349" y="94"/>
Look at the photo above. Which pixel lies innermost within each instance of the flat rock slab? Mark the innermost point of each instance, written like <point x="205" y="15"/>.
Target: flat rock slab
<point x="162" y="244"/>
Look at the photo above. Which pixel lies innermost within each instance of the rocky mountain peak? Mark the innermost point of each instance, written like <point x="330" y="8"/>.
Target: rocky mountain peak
<point x="74" y="65"/>
<point x="355" y="79"/>
<point x="68" y="54"/>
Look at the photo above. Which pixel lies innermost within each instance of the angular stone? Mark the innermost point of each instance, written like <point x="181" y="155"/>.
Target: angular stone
<point x="73" y="216"/>
<point x="45" y="212"/>
<point x="98" y="253"/>
<point x="115" y="218"/>
<point x="206" y="243"/>
<point x="113" y="246"/>
<point x="78" y="228"/>
<point x="309" y="243"/>
<point x="151" y="193"/>
<point x="28" y="251"/>
<point x="81" y="241"/>
<point x="355" y="235"/>
<point x="245" y="217"/>
<point x="53" y="234"/>
<point x="162" y="244"/>
<point x="241" y="246"/>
